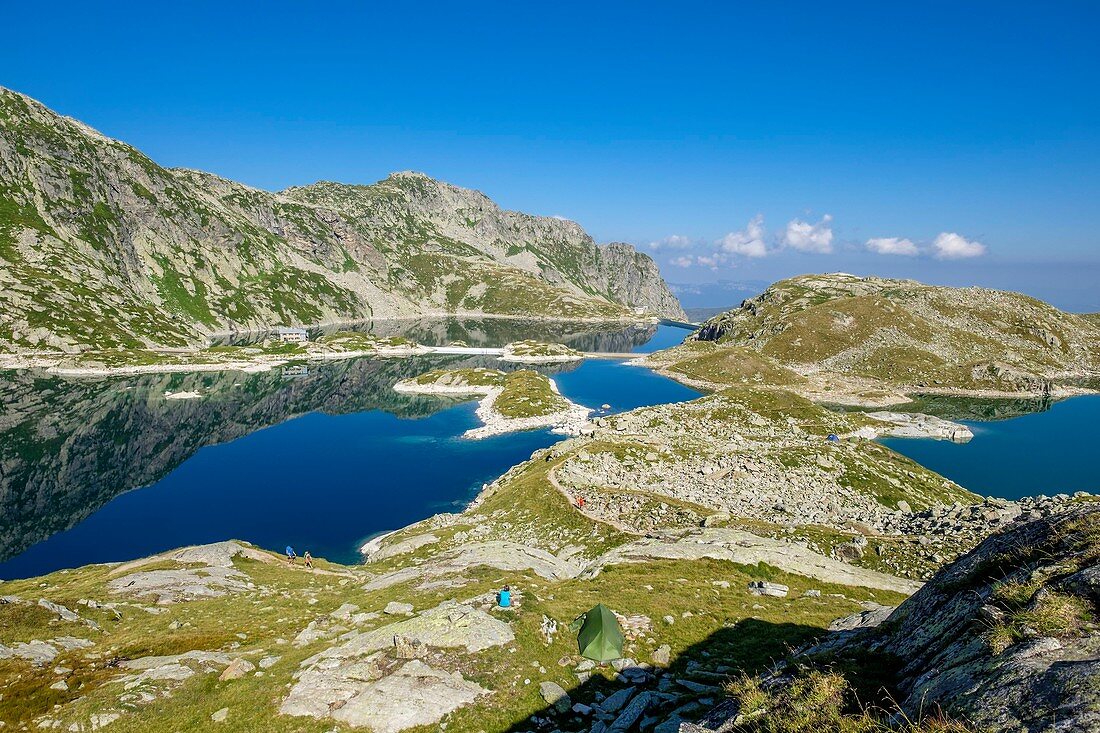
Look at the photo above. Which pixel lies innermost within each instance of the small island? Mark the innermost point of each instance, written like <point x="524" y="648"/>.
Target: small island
<point x="510" y="401"/>
<point x="538" y="352"/>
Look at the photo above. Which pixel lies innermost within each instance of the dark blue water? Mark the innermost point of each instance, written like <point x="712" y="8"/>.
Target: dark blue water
<point x="1048" y="452"/>
<point x="325" y="482"/>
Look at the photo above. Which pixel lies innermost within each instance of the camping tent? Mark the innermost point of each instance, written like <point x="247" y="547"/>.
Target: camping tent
<point x="600" y="638"/>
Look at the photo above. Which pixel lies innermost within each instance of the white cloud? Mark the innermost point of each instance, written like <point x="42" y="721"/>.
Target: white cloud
<point x="951" y="246"/>
<point x="711" y="261"/>
<point x="748" y="242"/>
<point x="683" y="261"/>
<point x="892" y="246"/>
<point x="673" y="241"/>
<point x="807" y="237"/>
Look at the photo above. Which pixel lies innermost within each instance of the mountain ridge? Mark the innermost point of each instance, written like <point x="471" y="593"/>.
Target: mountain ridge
<point x="907" y="333"/>
<point x="103" y="248"/>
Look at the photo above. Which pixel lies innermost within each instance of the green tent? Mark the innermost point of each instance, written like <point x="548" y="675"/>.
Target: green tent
<point x="600" y="638"/>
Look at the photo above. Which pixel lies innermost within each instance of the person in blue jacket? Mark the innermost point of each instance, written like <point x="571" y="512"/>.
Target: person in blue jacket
<point x="290" y="554"/>
<point x="505" y="597"/>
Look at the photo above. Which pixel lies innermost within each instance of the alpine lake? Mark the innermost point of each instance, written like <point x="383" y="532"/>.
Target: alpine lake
<point x="325" y="456"/>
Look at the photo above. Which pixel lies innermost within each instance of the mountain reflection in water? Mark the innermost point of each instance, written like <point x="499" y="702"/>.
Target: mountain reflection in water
<point x="494" y="332"/>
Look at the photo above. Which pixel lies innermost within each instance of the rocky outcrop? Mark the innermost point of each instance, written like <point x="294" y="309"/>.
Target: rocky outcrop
<point x="917" y="425"/>
<point x="632" y="277"/>
<point x="1007" y="636"/>
<point x="1004" y="639"/>
<point x="522" y="400"/>
<point x="747" y="549"/>
<point x="101" y="247"/>
<point x="209" y="574"/>
<point x="743" y="453"/>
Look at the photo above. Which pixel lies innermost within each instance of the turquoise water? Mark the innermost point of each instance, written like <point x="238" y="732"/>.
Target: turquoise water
<point x="320" y="461"/>
<point x="1054" y="450"/>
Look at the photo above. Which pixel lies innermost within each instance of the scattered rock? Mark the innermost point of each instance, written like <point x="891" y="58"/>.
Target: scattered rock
<point x="406" y="648"/>
<point x="38" y="653"/>
<point x="345" y="611"/>
<point x="764" y="588"/>
<point x="184" y="584"/>
<point x="413" y="695"/>
<point x="377" y="549"/>
<point x="238" y="668"/>
<point x="632" y="712"/>
<point x="396" y="608"/>
<point x="616" y="700"/>
<point x="555" y="696"/>
<point x="102" y="720"/>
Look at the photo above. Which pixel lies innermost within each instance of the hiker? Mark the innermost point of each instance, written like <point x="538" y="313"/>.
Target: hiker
<point x="290" y="554"/>
<point x="580" y="502"/>
<point x="504" y="597"/>
<point x="309" y="560"/>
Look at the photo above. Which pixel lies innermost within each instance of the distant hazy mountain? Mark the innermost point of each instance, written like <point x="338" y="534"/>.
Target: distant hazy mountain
<point x="720" y="295"/>
<point x="698" y="315"/>
<point x="100" y="246"/>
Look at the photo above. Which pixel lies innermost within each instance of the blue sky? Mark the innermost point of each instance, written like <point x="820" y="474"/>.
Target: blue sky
<point x="975" y="125"/>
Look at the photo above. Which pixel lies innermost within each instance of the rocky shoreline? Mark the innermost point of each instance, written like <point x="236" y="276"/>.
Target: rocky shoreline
<point x="62" y="364"/>
<point x="859" y="392"/>
<point x="918" y="425"/>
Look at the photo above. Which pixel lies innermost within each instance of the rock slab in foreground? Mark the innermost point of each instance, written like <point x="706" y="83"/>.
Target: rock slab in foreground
<point x="414" y="695"/>
<point x="355" y="683"/>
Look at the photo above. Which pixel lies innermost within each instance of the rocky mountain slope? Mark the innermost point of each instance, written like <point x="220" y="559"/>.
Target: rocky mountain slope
<point x="1005" y="639"/>
<point x="902" y="333"/>
<point x="101" y="247"/>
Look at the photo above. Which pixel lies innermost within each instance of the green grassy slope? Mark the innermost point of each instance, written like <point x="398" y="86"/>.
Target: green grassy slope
<point x="907" y="333"/>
